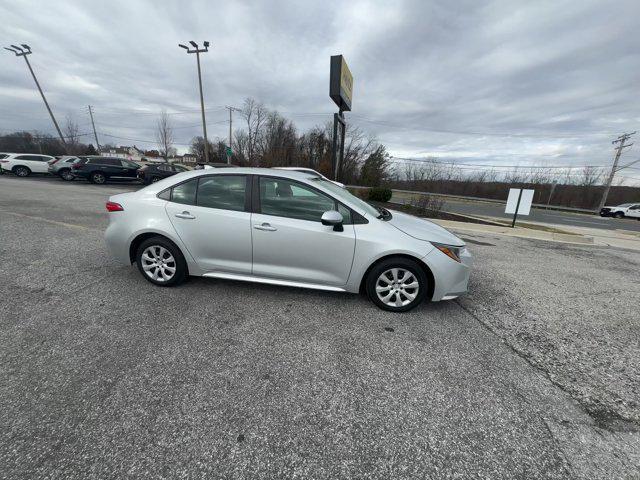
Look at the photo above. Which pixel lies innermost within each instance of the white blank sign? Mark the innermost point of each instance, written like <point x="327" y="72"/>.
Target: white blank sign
<point x="525" y="201"/>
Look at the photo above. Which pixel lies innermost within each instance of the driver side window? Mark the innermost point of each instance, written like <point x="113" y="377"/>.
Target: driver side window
<point x="283" y="198"/>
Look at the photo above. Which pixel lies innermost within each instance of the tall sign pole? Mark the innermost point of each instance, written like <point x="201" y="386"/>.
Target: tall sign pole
<point x="198" y="51"/>
<point x="341" y="92"/>
<point x="22" y="51"/>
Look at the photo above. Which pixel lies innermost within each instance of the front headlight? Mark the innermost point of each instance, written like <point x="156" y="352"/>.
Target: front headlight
<point x="450" y="251"/>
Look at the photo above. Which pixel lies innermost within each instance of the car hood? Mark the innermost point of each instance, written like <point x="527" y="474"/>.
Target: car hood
<point x="423" y="229"/>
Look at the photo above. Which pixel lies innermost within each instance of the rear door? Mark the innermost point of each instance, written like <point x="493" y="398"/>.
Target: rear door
<point x="289" y="240"/>
<point x="211" y="215"/>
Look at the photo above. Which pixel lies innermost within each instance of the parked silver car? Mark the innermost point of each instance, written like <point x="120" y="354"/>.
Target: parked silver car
<point x="62" y="167"/>
<point x="283" y="228"/>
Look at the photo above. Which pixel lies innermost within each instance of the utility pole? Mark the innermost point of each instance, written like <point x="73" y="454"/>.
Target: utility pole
<point x="229" y="151"/>
<point x="94" y="129"/>
<point x="198" y="51"/>
<point x="621" y="141"/>
<point x="22" y="51"/>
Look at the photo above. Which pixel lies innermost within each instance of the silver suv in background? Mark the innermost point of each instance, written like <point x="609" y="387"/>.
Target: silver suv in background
<point x="62" y="167"/>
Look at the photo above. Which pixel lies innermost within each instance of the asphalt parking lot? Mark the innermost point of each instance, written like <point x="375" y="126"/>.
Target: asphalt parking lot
<point x="534" y="374"/>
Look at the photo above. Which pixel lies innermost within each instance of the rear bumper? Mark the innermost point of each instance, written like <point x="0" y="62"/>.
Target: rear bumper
<point x="451" y="278"/>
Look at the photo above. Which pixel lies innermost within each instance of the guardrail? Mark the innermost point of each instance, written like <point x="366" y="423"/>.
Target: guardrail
<point x="489" y="200"/>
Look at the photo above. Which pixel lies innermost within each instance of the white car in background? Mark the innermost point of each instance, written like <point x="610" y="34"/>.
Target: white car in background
<point x="312" y="172"/>
<point x="631" y="210"/>
<point x="24" y="164"/>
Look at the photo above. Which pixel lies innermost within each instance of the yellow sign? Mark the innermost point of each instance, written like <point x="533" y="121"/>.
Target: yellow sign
<point x="346" y="81"/>
<point x="340" y="83"/>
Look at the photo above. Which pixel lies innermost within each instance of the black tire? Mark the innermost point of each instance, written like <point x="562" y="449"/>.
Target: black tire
<point x="155" y="179"/>
<point x="98" y="178"/>
<point x="179" y="263"/>
<point x="66" y="174"/>
<point x="21" y="171"/>
<point x="373" y="278"/>
<point x="618" y="215"/>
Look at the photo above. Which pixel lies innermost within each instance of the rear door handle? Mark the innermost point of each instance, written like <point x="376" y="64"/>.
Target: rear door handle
<point x="265" y="227"/>
<point x="186" y="215"/>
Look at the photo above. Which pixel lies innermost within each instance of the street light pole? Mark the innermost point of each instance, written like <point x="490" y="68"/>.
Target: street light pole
<point x="198" y="51"/>
<point x="22" y="51"/>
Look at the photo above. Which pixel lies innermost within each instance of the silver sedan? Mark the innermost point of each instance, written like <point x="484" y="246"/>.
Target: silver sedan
<point x="284" y="228"/>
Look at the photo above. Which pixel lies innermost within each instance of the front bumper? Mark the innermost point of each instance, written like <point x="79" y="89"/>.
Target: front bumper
<point x="451" y="278"/>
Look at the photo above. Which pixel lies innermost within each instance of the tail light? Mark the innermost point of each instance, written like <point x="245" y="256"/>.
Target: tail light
<point x="53" y="162"/>
<point x="114" y="207"/>
<point x="76" y="166"/>
<point x="4" y="161"/>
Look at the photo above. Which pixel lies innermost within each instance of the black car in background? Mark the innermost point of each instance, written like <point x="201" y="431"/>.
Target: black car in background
<point x="101" y="169"/>
<point x="153" y="172"/>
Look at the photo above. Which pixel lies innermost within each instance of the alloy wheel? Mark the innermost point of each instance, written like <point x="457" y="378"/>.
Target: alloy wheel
<point x="397" y="287"/>
<point x="22" y="172"/>
<point x="98" y="178"/>
<point x="67" y="175"/>
<point x="158" y="263"/>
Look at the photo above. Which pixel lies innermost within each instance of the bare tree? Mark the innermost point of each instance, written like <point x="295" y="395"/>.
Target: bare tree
<point x="255" y="115"/>
<point x="72" y="137"/>
<point x="591" y="176"/>
<point x="164" y="136"/>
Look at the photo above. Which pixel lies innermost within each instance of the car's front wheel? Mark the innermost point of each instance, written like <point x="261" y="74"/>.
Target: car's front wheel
<point x="397" y="284"/>
<point x="618" y="215"/>
<point x="66" y="174"/>
<point x="21" y="171"/>
<point x="161" y="262"/>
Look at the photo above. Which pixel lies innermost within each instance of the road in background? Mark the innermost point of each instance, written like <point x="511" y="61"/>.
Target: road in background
<point x="556" y="217"/>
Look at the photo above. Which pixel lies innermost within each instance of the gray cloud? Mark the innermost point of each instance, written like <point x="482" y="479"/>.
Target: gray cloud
<point x="514" y="83"/>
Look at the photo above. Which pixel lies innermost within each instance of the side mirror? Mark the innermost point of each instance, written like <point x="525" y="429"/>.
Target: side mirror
<point x="333" y="218"/>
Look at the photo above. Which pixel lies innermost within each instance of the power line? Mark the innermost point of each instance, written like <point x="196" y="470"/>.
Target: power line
<point x="478" y="133"/>
<point x="427" y="161"/>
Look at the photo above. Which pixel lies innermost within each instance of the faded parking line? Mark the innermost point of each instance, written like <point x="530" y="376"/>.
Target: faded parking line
<point x="46" y="220"/>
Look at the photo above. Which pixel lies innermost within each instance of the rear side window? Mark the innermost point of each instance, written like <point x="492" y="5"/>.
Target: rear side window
<point x="226" y="192"/>
<point x="185" y="192"/>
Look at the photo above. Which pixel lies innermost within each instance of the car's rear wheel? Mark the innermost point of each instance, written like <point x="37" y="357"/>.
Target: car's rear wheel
<point x="66" y="174"/>
<point x="21" y="171"/>
<point x="155" y="179"/>
<point x="161" y="262"/>
<point x="397" y="284"/>
<point x="98" y="177"/>
<point x="618" y="214"/>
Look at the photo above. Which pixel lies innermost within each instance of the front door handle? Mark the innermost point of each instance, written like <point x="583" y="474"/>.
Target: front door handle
<point x="265" y="227"/>
<point x="186" y="215"/>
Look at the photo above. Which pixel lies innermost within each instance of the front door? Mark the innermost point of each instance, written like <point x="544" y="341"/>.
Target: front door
<point x="210" y="215"/>
<point x="290" y="242"/>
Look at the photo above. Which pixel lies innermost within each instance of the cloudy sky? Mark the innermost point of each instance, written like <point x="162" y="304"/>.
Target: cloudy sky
<point x="472" y="82"/>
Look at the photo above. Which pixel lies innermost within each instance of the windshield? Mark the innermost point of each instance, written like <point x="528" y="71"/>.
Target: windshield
<point x="346" y="196"/>
<point x="625" y="204"/>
